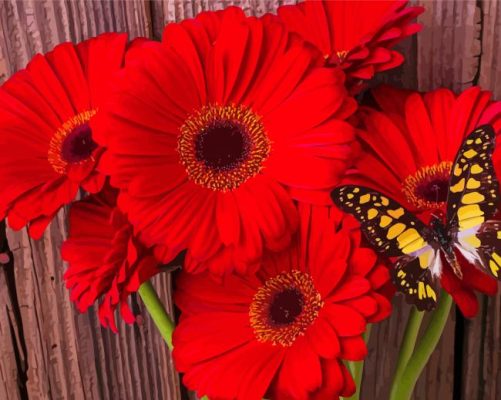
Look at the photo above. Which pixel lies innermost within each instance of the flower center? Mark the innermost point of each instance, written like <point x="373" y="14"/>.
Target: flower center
<point x="223" y="146"/>
<point x="284" y="307"/>
<point x="72" y="143"/>
<point x="427" y="188"/>
<point x="78" y="145"/>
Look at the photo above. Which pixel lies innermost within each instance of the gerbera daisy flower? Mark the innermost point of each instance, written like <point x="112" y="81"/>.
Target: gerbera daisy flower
<point x="105" y="260"/>
<point x="284" y="333"/>
<point x="211" y="134"/>
<point x="408" y="150"/>
<point x="47" y="143"/>
<point x="355" y="35"/>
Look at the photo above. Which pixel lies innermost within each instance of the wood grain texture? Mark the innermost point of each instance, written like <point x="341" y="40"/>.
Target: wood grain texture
<point x="449" y="46"/>
<point x="49" y="351"/>
<point x="490" y="61"/>
<point x="164" y="11"/>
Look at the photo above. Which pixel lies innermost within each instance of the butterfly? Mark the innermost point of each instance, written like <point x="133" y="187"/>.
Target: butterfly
<point x="471" y="204"/>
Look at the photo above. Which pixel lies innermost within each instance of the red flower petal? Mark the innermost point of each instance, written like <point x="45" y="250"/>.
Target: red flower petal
<point x="300" y="372"/>
<point x="305" y="357"/>
<point x="43" y="106"/>
<point x="349" y="385"/>
<point x="352" y="287"/>
<point x="219" y="62"/>
<point x="105" y="261"/>
<point x="355" y="35"/>
<point x="334" y="380"/>
<point x="345" y="320"/>
<point x="353" y="348"/>
<point x="323" y="339"/>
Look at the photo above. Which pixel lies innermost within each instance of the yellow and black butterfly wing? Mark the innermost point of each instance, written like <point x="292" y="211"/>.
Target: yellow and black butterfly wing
<point x="473" y="186"/>
<point x="472" y="201"/>
<point x="489" y="247"/>
<point x="417" y="287"/>
<point x="390" y="228"/>
<point x="394" y="232"/>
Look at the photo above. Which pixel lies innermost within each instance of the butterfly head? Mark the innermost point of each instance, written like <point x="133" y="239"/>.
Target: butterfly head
<point x="437" y="219"/>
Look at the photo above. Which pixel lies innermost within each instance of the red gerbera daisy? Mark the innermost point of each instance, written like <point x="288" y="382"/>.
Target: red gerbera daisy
<point x="409" y="149"/>
<point x="283" y="333"/>
<point x="105" y="259"/>
<point x="211" y="132"/>
<point x="356" y="35"/>
<point x="47" y="144"/>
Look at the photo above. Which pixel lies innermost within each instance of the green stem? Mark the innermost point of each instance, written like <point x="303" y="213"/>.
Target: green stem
<point x="357" y="368"/>
<point x="407" y="347"/>
<point x="424" y="349"/>
<point x="157" y="311"/>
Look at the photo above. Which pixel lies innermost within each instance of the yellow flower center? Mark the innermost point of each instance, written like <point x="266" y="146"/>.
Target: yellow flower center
<point x="221" y="147"/>
<point x="284" y="307"/>
<point x="427" y="188"/>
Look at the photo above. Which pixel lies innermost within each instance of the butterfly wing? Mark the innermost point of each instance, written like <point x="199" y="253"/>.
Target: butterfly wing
<point x="489" y="249"/>
<point x="418" y="287"/>
<point x="473" y="186"/>
<point x="472" y="200"/>
<point x="395" y="232"/>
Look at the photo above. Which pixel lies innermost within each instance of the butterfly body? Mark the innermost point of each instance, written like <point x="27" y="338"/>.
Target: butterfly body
<point x="447" y="244"/>
<point x="418" y="248"/>
<point x="440" y="231"/>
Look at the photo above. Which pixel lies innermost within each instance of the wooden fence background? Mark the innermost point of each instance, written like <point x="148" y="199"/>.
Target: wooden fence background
<point x="49" y="351"/>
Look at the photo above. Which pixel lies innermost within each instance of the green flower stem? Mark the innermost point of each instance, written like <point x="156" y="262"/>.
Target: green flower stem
<point x="157" y="311"/>
<point x="406" y="348"/>
<point x="357" y="368"/>
<point x="424" y="349"/>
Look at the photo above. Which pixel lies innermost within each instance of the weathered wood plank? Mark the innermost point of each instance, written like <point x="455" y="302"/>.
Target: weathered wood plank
<point x="68" y="355"/>
<point x="167" y="11"/>
<point x="490" y="65"/>
<point x="11" y="339"/>
<point x="448" y="46"/>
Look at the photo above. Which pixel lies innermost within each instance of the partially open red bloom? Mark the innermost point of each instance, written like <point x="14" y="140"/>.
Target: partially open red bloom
<point x="48" y="151"/>
<point x="211" y="134"/>
<point x="408" y="151"/>
<point x="284" y="333"/>
<point x="105" y="260"/>
<point x="356" y="35"/>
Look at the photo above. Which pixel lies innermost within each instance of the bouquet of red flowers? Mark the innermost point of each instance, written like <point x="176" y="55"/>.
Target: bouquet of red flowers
<point x="251" y="152"/>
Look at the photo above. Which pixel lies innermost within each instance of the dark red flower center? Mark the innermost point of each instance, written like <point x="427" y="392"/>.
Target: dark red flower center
<point x="427" y="188"/>
<point x="222" y="145"/>
<point x="286" y="306"/>
<point x="72" y="143"/>
<point x="78" y="144"/>
<point x="435" y="190"/>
